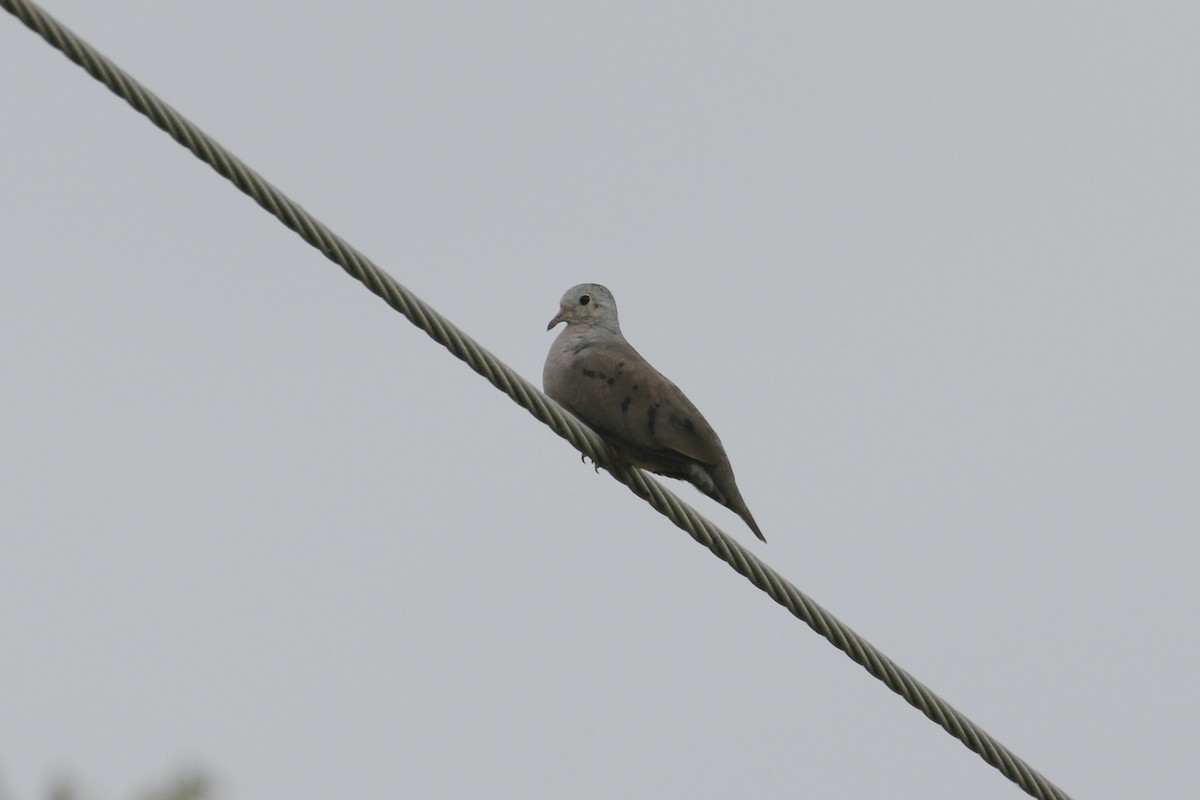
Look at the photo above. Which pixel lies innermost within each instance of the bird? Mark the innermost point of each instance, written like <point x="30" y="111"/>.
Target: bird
<point x="593" y="372"/>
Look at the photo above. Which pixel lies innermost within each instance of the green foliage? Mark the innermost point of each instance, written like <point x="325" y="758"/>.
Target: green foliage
<point x="190" y="784"/>
<point x="187" y="785"/>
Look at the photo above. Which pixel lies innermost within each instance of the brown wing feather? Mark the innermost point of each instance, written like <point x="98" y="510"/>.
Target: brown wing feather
<point x="617" y="392"/>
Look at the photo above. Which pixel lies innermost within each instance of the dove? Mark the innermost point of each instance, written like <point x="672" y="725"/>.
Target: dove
<point x="596" y="375"/>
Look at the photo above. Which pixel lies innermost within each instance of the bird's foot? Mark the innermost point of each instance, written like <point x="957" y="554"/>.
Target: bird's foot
<point x="584" y="459"/>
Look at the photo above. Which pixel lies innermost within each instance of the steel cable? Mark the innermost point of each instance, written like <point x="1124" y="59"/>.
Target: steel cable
<point x="529" y="397"/>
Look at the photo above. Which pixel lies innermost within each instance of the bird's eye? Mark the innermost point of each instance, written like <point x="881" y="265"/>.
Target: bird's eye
<point x="584" y="299"/>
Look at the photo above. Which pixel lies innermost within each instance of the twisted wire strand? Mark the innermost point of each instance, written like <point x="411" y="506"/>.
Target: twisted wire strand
<point x="533" y="400"/>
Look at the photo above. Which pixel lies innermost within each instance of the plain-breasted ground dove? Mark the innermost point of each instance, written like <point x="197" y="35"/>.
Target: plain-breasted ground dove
<point x="600" y="378"/>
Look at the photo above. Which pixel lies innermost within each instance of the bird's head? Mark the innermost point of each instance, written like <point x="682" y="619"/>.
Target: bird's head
<point x="587" y="305"/>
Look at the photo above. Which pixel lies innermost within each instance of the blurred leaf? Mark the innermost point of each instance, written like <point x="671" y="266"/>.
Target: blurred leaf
<point x="188" y="785"/>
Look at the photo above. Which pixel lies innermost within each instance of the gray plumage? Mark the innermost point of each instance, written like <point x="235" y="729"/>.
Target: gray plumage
<point x="600" y="378"/>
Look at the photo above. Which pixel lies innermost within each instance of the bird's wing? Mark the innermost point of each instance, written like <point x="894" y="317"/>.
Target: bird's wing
<point x="616" y="391"/>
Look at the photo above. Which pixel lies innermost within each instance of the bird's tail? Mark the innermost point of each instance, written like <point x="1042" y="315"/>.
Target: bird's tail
<point x="745" y="514"/>
<point x="725" y="491"/>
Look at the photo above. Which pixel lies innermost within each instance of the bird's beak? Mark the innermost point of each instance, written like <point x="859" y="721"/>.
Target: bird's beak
<point x="561" y="316"/>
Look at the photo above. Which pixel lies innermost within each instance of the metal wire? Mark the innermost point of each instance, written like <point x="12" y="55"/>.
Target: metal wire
<point x="530" y="398"/>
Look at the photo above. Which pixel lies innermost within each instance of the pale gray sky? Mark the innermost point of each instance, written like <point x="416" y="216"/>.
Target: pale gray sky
<point x="929" y="269"/>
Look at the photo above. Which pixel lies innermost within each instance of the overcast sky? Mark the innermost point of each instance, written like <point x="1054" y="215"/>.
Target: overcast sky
<point x="929" y="269"/>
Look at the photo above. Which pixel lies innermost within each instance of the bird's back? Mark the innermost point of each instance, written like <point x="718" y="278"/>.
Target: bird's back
<point x="606" y="383"/>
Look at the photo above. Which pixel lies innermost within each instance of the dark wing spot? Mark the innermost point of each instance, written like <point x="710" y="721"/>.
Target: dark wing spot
<point x="625" y="404"/>
<point x="635" y="387"/>
<point x="651" y="413"/>
<point x="589" y="373"/>
<point x="579" y="348"/>
<point x="611" y="381"/>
